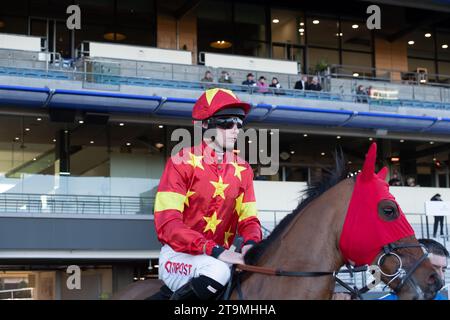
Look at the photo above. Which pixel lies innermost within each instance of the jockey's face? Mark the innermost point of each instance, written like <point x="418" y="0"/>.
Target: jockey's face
<point x="226" y="130"/>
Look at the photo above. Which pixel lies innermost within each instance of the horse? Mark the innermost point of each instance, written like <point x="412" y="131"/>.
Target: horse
<point x="342" y="220"/>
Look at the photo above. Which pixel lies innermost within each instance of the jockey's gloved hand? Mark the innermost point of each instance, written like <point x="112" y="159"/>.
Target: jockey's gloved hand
<point x="246" y="248"/>
<point x="231" y="257"/>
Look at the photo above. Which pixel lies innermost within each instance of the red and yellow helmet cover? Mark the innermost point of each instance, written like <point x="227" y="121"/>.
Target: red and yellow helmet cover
<point x="214" y="100"/>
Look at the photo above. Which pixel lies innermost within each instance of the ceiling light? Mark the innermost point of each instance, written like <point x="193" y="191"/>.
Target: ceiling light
<point x="114" y="36"/>
<point x="220" y="44"/>
<point x="39" y="119"/>
<point x="431" y="142"/>
<point x="402" y="140"/>
<point x="322" y="154"/>
<point x="34" y="159"/>
<point x="355" y="26"/>
<point x="395" y="159"/>
<point x="92" y="141"/>
<point x="305" y="135"/>
<point x="121" y="124"/>
<point x="427" y="35"/>
<point x="250" y="141"/>
<point x="160" y="126"/>
<point x="54" y="140"/>
<point x="159" y="145"/>
<point x="355" y="74"/>
<point x="316" y="21"/>
<point x="271" y="132"/>
<point x="338" y="137"/>
<point x="302" y="23"/>
<point x="17" y="138"/>
<point x="301" y="33"/>
<point x="27" y="129"/>
<point x="262" y="150"/>
<point x="81" y="122"/>
<point x="292" y="152"/>
<point x="410" y="42"/>
<point x="349" y="162"/>
<point x="128" y="144"/>
<point x="370" y="139"/>
<point x="434" y="159"/>
<point x="444" y="46"/>
<point x="301" y="30"/>
<point x="275" y="20"/>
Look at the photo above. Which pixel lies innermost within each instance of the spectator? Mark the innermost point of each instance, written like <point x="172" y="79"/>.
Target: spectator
<point x="395" y="180"/>
<point x="315" y="85"/>
<point x="225" y="77"/>
<point x="208" y="77"/>
<point x="438" y="220"/>
<point x="262" y="85"/>
<point x="276" y="86"/>
<point x="250" y="80"/>
<point x="361" y="94"/>
<point x="275" y="83"/>
<point x="302" y="84"/>
<point x="411" y="182"/>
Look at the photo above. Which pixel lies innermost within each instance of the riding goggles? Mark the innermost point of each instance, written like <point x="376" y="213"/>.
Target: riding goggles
<point x="226" y="123"/>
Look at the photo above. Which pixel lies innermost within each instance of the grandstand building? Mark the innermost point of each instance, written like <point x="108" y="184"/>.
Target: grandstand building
<point x="86" y="117"/>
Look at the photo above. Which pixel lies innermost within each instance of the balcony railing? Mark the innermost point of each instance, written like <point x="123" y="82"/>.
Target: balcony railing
<point x="75" y="204"/>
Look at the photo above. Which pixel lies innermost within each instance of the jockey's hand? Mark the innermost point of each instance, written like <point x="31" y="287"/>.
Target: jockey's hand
<point x="246" y="248"/>
<point x="231" y="257"/>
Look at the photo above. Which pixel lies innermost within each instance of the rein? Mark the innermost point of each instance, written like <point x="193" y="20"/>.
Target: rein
<point x="387" y="250"/>
<point x="355" y="292"/>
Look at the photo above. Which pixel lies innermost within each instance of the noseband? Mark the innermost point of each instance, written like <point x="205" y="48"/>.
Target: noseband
<point x="401" y="274"/>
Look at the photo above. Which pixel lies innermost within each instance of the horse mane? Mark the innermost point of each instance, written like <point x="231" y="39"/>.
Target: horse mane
<point x="329" y="179"/>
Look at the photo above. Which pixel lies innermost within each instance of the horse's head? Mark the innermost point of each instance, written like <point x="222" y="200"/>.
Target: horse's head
<point x="376" y="232"/>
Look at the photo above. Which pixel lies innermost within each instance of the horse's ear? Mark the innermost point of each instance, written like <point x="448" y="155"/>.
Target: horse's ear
<point x="382" y="173"/>
<point x="369" y="164"/>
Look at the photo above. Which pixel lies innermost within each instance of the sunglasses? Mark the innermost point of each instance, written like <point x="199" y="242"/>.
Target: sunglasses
<point x="227" y="123"/>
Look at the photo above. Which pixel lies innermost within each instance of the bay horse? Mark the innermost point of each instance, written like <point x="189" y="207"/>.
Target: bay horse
<point x="342" y="220"/>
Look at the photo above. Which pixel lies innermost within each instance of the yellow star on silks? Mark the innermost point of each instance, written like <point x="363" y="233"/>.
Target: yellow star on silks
<point x="228" y="234"/>
<point x="239" y="203"/>
<point x="220" y="188"/>
<point x="186" y="200"/>
<point x="196" y="161"/>
<point x="237" y="170"/>
<point x="211" y="93"/>
<point x="211" y="223"/>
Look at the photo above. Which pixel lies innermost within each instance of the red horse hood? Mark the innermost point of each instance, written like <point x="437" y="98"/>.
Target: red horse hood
<point x="365" y="232"/>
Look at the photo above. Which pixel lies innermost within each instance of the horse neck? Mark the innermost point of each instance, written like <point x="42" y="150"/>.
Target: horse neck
<point x="309" y="243"/>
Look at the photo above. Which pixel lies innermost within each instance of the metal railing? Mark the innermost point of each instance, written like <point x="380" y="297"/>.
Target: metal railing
<point x="111" y="75"/>
<point x="17" y="294"/>
<point x="75" y="204"/>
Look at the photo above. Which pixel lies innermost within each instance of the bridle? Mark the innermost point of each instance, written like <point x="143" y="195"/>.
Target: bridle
<point x="401" y="274"/>
<point x="388" y="250"/>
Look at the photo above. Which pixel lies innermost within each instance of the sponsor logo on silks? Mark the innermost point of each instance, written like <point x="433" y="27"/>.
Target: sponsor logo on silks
<point x="177" y="267"/>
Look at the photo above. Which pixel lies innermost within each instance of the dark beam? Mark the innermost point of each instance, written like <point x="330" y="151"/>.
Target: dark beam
<point x="186" y="8"/>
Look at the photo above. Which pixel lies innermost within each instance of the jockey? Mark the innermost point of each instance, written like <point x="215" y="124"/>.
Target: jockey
<point x="206" y="197"/>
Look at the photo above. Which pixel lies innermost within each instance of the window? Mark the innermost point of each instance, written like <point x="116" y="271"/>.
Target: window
<point x="322" y="32"/>
<point x="320" y="56"/>
<point x="356" y="36"/>
<point x="423" y="47"/>
<point x="288" y="26"/>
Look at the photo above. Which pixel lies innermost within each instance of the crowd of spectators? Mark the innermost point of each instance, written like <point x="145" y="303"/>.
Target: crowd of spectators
<point x="262" y="84"/>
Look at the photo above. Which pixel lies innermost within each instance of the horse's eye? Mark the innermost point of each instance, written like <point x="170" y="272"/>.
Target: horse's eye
<point x="388" y="210"/>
